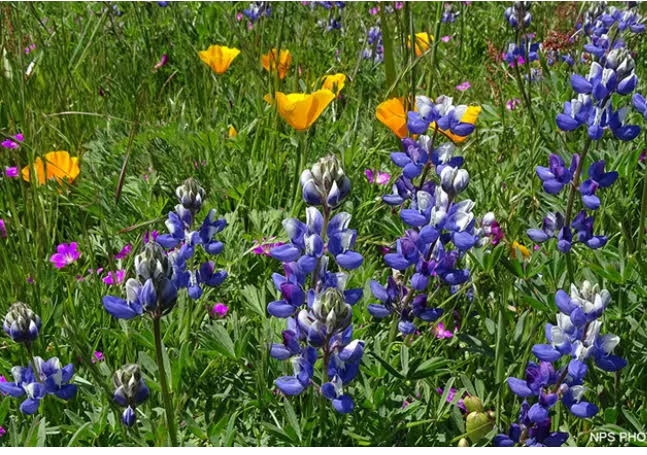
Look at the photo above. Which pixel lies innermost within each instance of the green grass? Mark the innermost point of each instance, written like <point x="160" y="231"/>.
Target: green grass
<point x="94" y="93"/>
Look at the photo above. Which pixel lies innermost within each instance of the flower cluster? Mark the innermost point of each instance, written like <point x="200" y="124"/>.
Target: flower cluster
<point x="374" y="45"/>
<point x="313" y="299"/>
<point x="257" y="10"/>
<point x="576" y="336"/>
<point x="40" y="377"/>
<point x="610" y="78"/>
<point x="518" y="15"/>
<point x="130" y="391"/>
<point x="160" y="275"/>
<point x="442" y="229"/>
<point x="517" y="55"/>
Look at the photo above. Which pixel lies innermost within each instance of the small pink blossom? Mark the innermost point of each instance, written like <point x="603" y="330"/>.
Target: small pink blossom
<point x="65" y="254"/>
<point x="3" y="229"/>
<point x="219" y="310"/>
<point x="399" y="5"/>
<point x="641" y="158"/>
<point x="98" y="357"/>
<point x="381" y="179"/>
<point x="13" y="144"/>
<point x="125" y="251"/>
<point x="11" y="172"/>
<point x="30" y="48"/>
<point x="265" y="246"/>
<point x="2" y="432"/>
<point x="463" y="86"/>
<point x="163" y="61"/>
<point x="440" y="331"/>
<point x="30" y="279"/>
<point x="446" y="38"/>
<point x="239" y="16"/>
<point x="374" y="11"/>
<point x="150" y="236"/>
<point x="113" y="278"/>
<point x="512" y="104"/>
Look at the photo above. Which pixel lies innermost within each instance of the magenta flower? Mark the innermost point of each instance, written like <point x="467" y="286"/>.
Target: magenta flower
<point x="219" y="310"/>
<point x="373" y="11"/>
<point x="3" y="229"/>
<point x="463" y="86"/>
<point x="450" y="397"/>
<point x="13" y="144"/>
<point x="512" y="104"/>
<point x="30" y="48"/>
<point x="125" y="251"/>
<point x="11" y="172"/>
<point x="381" y="179"/>
<point x="163" y="61"/>
<point x="114" y="277"/>
<point x="150" y="236"/>
<point x="239" y="16"/>
<point x="65" y="254"/>
<point x="445" y="38"/>
<point x="2" y="432"/>
<point x="440" y="331"/>
<point x="98" y="357"/>
<point x="641" y="158"/>
<point x="399" y="5"/>
<point x="263" y="247"/>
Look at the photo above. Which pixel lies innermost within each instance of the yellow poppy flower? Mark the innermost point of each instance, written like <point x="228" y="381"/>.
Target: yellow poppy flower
<point x="517" y="248"/>
<point x="269" y="62"/>
<point x="470" y="116"/>
<point x="219" y="57"/>
<point x="392" y="114"/>
<point x="55" y="165"/>
<point x="301" y="110"/>
<point x="423" y="39"/>
<point x="334" y="83"/>
<point x="232" y="132"/>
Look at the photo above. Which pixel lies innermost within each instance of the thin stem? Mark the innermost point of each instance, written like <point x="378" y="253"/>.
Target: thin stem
<point x="576" y="183"/>
<point x="166" y="395"/>
<point x="643" y="213"/>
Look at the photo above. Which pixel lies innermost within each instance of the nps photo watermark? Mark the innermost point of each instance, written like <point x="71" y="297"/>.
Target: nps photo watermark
<point x="625" y="437"/>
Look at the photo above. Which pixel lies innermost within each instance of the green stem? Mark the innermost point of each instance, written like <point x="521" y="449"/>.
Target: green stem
<point x="643" y="213"/>
<point x="166" y="395"/>
<point x="302" y="159"/>
<point x="576" y="183"/>
<point x="434" y="49"/>
<point x="412" y="55"/>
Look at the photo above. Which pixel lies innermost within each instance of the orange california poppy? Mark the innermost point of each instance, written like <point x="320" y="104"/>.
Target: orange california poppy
<point x="334" y="82"/>
<point x="269" y="62"/>
<point x="301" y="110"/>
<point x="423" y="39"/>
<point x="392" y="114"/>
<point x="55" y="165"/>
<point x="219" y="57"/>
<point x="470" y="116"/>
<point x="517" y="249"/>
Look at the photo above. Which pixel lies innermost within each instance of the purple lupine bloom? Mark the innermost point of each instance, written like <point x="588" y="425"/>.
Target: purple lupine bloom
<point x="556" y="175"/>
<point x="597" y="179"/>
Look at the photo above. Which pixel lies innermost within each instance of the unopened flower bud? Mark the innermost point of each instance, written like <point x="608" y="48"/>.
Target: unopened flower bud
<point x="153" y="263"/>
<point x="329" y="308"/>
<point x="130" y="388"/>
<point x="453" y="180"/>
<point x="325" y="183"/>
<point x="190" y="195"/>
<point x="21" y="323"/>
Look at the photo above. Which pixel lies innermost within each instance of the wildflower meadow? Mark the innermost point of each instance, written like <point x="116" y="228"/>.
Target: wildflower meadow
<point x="323" y="224"/>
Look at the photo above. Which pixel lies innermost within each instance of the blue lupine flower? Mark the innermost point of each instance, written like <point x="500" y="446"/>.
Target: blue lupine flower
<point x="130" y="391"/>
<point x="375" y="49"/>
<point x="52" y="378"/>
<point x="333" y="390"/>
<point x="449" y="15"/>
<point x="257" y="10"/>
<point x="518" y="15"/>
<point x="25" y="384"/>
<point x="21" y="323"/>
<point x="303" y="371"/>
<point x="552" y="224"/>
<point x="597" y="179"/>
<point x="55" y="377"/>
<point x="557" y="175"/>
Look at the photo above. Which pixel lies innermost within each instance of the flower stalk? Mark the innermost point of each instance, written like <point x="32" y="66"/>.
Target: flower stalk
<point x="166" y="394"/>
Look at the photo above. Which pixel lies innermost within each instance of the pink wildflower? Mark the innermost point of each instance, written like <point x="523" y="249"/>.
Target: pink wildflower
<point x="2" y="432"/>
<point x="98" y="357"/>
<point x="512" y="104"/>
<point x="265" y="246"/>
<point x="65" y="254"/>
<point x="463" y="86"/>
<point x="114" y="277"/>
<point x="150" y="236"/>
<point x="399" y="5"/>
<point x="163" y="61"/>
<point x="125" y="251"/>
<point x="239" y="16"/>
<point x="381" y="179"/>
<point x="13" y="144"/>
<point x="641" y="158"/>
<point x="219" y="310"/>
<point x="440" y="331"/>
<point x="3" y="229"/>
<point x="445" y="38"/>
<point x="11" y="172"/>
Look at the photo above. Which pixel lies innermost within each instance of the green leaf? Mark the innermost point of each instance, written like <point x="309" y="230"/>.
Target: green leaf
<point x="220" y="340"/>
